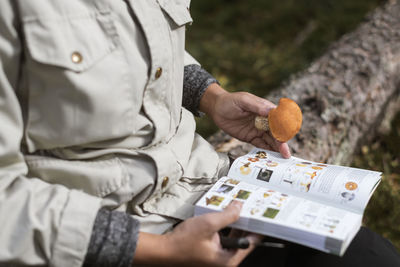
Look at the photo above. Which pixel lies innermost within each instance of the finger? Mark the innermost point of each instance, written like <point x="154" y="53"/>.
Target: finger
<point x="271" y="141"/>
<point x="255" y="104"/>
<point x="236" y="233"/>
<point x="254" y="239"/>
<point x="260" y="142"/>
<point x="238" y="255"/>
<point x="218" y="220"/>
<point x="284" y="150"/>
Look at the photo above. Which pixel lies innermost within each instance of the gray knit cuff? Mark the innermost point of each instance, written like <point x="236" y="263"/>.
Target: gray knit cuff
<point x="195" y="82"/>
<point x="113" y="240"/>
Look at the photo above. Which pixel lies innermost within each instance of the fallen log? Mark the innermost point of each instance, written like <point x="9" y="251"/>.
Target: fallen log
<point x="346" y="95"/>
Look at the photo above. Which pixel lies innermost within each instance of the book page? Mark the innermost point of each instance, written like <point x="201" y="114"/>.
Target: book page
<point x="343" y="187"/>
<point x="268" y="205"/>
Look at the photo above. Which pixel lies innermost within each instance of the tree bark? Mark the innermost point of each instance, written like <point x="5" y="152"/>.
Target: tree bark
<point x="345" y="95"/>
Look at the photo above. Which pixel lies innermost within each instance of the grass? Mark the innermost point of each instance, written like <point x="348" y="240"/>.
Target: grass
<point x="255" y="45"/>
<point x="382" y="213"/>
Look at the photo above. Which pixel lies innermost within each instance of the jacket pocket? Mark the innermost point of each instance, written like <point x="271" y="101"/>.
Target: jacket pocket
<point x="78" y="82"/>
<point x="74" y="43"/>
<point x="99" y="177"/>
<point x="177" y="10"/>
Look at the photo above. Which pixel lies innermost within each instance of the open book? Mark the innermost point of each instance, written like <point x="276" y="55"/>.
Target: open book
<point x="313" y="204"/>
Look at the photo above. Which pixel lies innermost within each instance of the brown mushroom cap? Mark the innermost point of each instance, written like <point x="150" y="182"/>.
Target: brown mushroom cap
<point x="285" y="120"/>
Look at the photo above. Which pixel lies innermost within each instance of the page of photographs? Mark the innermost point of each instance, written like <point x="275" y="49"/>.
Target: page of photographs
<point x="343" y="187"/>
<point x="269" y="205"/>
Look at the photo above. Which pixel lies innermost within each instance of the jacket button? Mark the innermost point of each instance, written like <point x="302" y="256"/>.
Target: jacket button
<point x="76" y="57"/>
<point x="158" y="72"/>
<point x="165" y="181"/>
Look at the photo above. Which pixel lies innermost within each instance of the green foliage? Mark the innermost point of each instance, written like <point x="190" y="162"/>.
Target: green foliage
<point x="255" y="45"/>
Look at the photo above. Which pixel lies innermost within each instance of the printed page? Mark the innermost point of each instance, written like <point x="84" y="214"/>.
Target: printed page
<point x="268" y="205"/>
<point x="343" y="187"/>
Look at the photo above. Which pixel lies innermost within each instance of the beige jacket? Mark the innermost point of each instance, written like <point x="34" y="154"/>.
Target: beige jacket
<point x="91" y="116"/>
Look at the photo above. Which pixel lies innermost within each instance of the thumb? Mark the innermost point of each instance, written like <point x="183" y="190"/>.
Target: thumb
<point x="219" y="220"/>
<point x="255" y="104"/>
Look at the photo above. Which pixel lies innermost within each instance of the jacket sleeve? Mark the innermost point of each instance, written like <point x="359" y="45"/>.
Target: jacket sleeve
<point x="41" y="224"/>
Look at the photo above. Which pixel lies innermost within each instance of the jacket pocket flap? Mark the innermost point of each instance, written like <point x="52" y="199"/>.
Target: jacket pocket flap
<point x="74" y="44"/>
<point x="177" y="11"/>
<point x="99" y="177"/>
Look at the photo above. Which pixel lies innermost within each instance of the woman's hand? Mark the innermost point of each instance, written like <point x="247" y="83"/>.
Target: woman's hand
<point x="194" y="242"/>
<point x="235" y="113"/>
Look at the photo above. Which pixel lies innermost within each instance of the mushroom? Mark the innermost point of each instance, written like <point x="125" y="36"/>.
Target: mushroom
<point x="283" y="122"/>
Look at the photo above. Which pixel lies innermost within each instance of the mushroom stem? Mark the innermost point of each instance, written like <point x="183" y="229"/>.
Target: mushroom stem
<point x="261" y="123"/>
